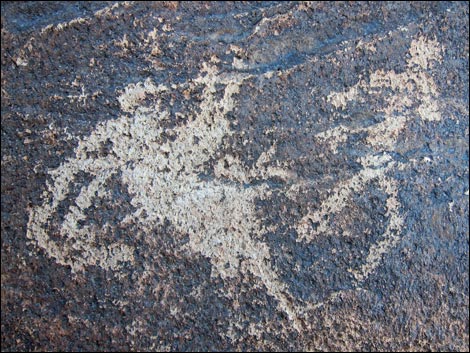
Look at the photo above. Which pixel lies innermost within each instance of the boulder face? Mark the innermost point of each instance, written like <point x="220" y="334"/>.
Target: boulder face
<point x="181" y="176"/>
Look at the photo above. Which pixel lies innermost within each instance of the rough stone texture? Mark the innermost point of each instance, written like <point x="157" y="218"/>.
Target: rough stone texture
<point x="235" y="176"/>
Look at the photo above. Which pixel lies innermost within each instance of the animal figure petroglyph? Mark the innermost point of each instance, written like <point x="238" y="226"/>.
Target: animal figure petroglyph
<point x="219" y="214"/>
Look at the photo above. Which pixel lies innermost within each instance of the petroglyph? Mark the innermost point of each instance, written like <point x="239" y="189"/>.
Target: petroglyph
<point x="165" y="187"/>
<point x="414" y="82"/>
<point x="410" y="87"/>
<point x="219" y="215"/>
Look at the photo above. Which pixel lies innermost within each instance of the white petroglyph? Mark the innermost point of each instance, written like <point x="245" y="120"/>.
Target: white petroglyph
<point x="414" y="82"/>
<point x="219" y="215"/>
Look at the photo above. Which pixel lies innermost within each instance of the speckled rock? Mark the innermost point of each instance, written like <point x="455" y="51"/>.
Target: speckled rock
<point x="182" y="176"/>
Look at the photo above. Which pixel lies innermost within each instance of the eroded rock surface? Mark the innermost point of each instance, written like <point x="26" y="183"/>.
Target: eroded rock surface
<point x="235" y="176"/>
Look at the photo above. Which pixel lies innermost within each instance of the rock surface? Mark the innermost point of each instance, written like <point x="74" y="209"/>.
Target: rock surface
<point x="235" y="176"/>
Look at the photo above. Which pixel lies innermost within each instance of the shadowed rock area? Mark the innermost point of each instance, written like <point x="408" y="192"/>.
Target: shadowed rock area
<point x="220" y="176"/>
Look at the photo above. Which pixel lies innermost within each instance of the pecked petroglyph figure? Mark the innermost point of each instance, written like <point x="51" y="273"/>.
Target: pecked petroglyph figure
<point x="219" y="214"/>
